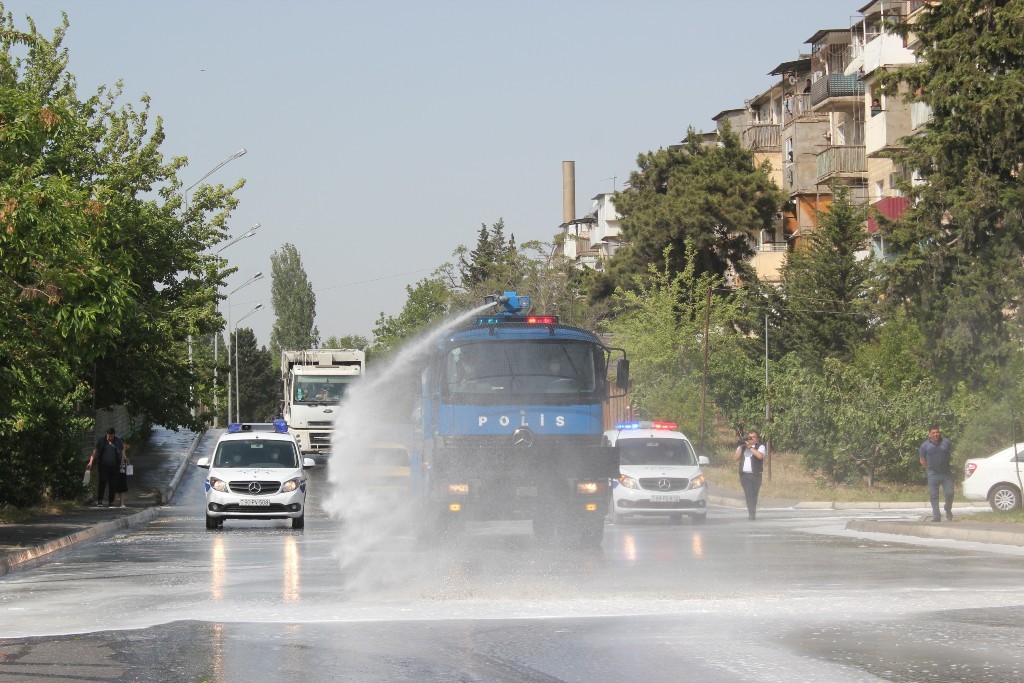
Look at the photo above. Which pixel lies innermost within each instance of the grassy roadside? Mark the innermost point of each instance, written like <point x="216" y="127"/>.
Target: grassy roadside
<point x="10" y="515"/>
<point x="790" y="481"/>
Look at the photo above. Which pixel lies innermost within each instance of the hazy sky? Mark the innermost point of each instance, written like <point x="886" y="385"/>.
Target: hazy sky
<point x="381" y="134"/>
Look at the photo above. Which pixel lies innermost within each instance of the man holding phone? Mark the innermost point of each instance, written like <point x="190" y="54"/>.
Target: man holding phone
<point x="750" y="457"/>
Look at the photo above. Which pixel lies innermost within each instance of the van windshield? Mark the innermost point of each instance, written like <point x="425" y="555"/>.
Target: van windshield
<point x="656" y="452"/>
<point x="256" y="453"/>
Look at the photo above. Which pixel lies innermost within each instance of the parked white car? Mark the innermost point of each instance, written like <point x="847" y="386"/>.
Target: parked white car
<point x="996" y="478"/>
<point x="659" y="473"/>
<point x="256" y="472"/>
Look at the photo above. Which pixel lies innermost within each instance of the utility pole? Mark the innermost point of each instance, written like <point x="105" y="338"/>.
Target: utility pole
<point x="767" y="405"/>
<point x="704" y="374"/>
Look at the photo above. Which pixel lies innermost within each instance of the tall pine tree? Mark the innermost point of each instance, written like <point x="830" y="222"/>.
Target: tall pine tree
<point x="959" y="269"/>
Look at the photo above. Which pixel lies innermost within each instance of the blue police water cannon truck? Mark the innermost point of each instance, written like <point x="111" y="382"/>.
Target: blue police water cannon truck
<point x="509" y="424"/>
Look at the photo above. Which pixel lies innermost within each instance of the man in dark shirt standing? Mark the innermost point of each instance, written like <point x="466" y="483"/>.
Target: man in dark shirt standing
<point x="935" y="457"/>
<point x="108" y="454"/>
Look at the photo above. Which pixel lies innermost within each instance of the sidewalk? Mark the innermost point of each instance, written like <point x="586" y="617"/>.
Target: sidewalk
<point x="158" y="464"/>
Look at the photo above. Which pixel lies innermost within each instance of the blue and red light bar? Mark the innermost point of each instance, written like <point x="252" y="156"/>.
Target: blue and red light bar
<point x="645" y="424"/>
<point x="278" y="426"/>
<point x="528" y="319"/>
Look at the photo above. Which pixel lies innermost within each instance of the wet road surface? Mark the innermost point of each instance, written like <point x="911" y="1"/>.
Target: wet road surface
<point x="790" y="597"/>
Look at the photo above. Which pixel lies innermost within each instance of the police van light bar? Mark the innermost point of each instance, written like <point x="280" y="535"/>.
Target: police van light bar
<point x="671" y="426"/>
<point x="278" y="426"/>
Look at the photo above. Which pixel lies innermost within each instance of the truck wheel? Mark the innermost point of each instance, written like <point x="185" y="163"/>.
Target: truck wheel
<point x="1004" y="498"/>
<point x="299" y="522"/>
<point x="212" y="522"/>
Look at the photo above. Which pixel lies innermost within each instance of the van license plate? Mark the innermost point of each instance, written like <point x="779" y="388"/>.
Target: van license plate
<point x="665" y="499"/>
<point x="255" y="502"/>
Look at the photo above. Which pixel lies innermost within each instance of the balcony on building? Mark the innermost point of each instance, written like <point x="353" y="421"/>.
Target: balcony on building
<point x="837" y="86"/>
<point x="920" y="114"/>
<point x="762" y="137"/>
<point x="839" y="162"/>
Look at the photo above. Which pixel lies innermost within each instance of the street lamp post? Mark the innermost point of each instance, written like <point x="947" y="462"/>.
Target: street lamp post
<point x="241" y="152"/>
<point x="206" y="175"/>
<point x="238" y="396"/>
<point x="216" y="337"/>
<point x="248" y="282"/>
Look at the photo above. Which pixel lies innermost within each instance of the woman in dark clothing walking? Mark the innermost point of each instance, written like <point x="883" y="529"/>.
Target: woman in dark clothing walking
<point x="108" y="456"/>
<point x="750" y="457"/>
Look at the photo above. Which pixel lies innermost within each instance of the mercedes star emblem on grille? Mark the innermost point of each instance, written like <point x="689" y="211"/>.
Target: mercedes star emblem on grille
<point x="522" y="437"/>
<point x="664" y="484"/>
<point x="254" y="487"/>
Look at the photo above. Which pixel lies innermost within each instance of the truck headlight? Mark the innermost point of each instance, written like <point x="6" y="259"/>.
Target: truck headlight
<point x="590" y="487"/>
<point x="628" y="482"/>
<point x="218" y="485"/>
<point x="697" y="482"/>
<point x="291" y="485"/>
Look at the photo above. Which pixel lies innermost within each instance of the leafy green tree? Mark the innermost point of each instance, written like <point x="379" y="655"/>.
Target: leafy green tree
<point x="294" y="303"/>
<point x="824" y="299"/>
<point x="491" y="258"/>
<point x="429" y="301"/>
<point x="350" y="341"/>
<point x="959" y="269"/>
<point x="102" y="278"/>
<point x="712" y="196"/>
<point x="660" y="321"/>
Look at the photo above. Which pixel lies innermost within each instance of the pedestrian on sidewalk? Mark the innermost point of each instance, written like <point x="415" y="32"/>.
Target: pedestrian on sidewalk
<point x="108" y="455"/>
<point x="935" y="455"/>
<point x="122" y="476"/>
<point x="750" y="456"/>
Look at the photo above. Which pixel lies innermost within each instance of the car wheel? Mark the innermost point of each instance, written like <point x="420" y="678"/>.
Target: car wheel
<point x="676" y="518"/>
<point x="699" y="519"/>
<point x="212" y="522"/>
<point x="299" y="522"/>
<point x="1004" y="498"/>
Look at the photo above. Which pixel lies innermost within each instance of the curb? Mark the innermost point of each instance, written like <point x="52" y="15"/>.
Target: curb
<point x="23" y="559"/>
<point x="167" y="492"/>
<point x="31" y="556"/>
<point x="940" y="531"/>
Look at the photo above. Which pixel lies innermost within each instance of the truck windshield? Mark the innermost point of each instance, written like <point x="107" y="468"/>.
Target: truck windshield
<point x="523" y="368"/>
<point x="319" y="388"/>
<point x="656" y="452"/>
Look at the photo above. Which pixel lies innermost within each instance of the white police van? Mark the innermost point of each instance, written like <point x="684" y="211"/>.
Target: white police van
<point x="256" y="472"/>
<point x="659" y="473"/>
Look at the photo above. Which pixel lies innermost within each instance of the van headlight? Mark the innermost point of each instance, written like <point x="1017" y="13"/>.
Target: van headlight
<point x="628" y="482"/>
<point x="218" y="485"/>
<point x="291" y="485"/>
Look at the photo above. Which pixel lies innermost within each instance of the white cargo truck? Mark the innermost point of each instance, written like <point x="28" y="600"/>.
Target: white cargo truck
<point x="313" y="382"/>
